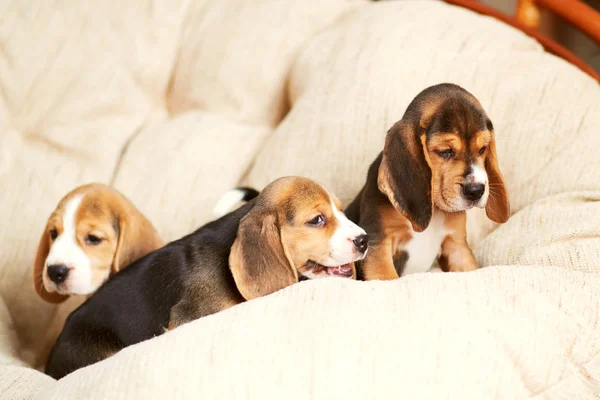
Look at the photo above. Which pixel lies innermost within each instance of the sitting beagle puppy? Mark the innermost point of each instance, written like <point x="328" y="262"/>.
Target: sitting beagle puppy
<point x="93" y="232"/>
<point x="438" y="161"/>
<point x="293" y="228"/>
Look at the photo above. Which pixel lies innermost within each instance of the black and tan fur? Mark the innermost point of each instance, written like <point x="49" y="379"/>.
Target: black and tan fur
<point x="422" y="171"/>
<point x="261" y="247"/>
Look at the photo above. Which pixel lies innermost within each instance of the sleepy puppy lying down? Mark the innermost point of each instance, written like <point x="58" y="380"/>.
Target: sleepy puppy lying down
<point x="293" y="228"/>
<point x="438" y="161"/>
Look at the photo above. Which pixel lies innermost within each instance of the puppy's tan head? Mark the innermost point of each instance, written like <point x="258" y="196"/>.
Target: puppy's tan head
<point x="295" y="228"/>
<point x="442" y="153"/>
<point x="93" y="232"/>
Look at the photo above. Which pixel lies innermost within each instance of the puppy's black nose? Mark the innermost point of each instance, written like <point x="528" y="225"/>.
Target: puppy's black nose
<point x="361" y="243"/>
<point x="473" y="191"/>
<point x="58" y="273"/>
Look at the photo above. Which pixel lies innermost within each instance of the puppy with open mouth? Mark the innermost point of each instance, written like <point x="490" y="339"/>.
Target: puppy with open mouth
<point x="294" y="228"/>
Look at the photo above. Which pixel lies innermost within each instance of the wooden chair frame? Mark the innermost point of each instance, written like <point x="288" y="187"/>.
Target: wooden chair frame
<point x="574" y="12"/>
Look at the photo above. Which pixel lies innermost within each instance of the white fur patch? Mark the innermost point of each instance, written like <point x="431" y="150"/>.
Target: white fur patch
<point x="66" y="251"/>
<point x="341" y="248"/>
<point x="479" y="175"/>
<point x="425" y="247"/>
<point x="228" y="202"/>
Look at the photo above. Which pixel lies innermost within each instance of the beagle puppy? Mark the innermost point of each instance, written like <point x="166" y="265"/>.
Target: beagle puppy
<point x="438" y="161"/>
<point x="93" y="232"/>
<point x="293" y="228"/>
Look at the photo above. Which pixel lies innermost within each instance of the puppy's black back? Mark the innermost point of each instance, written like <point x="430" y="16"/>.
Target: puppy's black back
<point x="135" y="305"/>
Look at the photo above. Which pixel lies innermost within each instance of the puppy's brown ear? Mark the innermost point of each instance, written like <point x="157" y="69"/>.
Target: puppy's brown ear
<point x="137" y="237"/>
<point x="258" y="260"/>
<point x="498" y="206"/>
<point x="38" y="270"/>
<point x="405" y="173"/>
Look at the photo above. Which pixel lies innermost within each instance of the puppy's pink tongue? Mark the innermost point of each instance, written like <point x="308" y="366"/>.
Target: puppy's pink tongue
<point x="342" y="270"/>
<point x="346" y="268"/>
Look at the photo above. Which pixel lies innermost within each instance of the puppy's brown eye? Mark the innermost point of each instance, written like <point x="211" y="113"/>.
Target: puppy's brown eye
<point x="317" y="221"/>
<point x="447" y="154"/>
<point x="53" y="234"/>
<point x="92" y="240"/>
<point x="482" y="150"/>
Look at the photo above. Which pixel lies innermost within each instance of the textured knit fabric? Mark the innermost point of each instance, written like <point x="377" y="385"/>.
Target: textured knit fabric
<point x="501" y="332"/>
<point x="175" y="102"/>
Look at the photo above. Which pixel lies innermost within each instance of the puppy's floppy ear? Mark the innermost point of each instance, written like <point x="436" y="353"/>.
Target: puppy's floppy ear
<point x="38" y="269"/>
<point x="259" y="262"/>
<point x="498" y="206"/>
<point x="405" y="173"/>
<point x="136" y="238"/>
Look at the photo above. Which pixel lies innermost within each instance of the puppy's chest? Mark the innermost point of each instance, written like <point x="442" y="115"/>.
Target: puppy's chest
<point x="419" y="250"/>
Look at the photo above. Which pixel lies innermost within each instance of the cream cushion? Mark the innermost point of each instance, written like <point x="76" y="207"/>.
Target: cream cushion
<point x="463" y="336"/>
<point x="174" y="102"/>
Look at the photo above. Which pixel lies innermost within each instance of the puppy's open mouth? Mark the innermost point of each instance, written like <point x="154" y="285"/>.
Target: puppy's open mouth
<point x="343" y="271"/>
